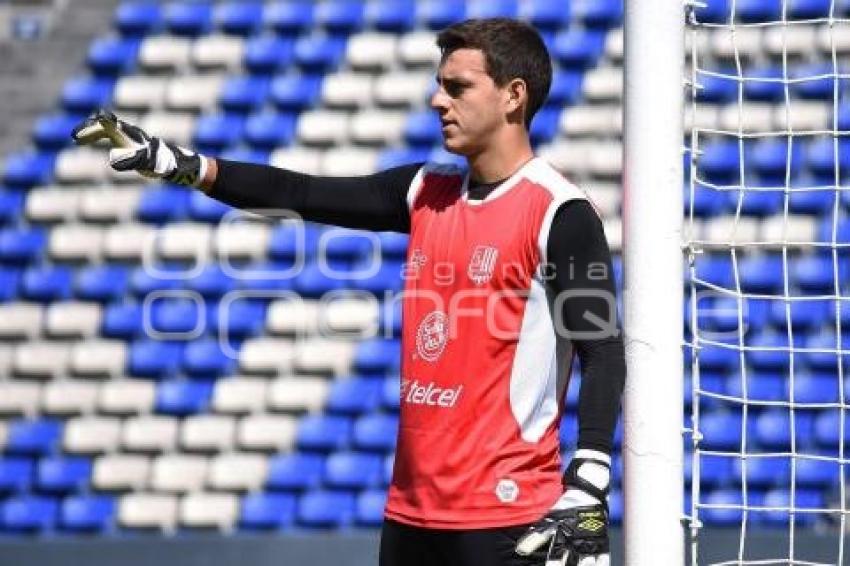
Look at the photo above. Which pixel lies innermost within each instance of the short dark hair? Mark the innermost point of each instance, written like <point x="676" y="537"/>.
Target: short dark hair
<point x="512" y="49"/>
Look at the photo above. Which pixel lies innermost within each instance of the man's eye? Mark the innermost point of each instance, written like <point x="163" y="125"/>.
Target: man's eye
<point x="454" y="90"/>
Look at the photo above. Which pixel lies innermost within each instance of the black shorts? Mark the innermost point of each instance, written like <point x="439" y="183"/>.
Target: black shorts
<point x="403" y="545"/>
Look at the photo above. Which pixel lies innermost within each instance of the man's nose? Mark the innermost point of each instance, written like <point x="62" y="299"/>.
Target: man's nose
<point x="439" y="100"/>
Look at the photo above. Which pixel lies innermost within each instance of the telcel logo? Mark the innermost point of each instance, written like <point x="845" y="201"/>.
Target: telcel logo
<point x="429" y="394"/>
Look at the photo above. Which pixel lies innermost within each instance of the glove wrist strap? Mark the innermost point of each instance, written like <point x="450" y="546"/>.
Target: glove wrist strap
<point x="571" y="478"/>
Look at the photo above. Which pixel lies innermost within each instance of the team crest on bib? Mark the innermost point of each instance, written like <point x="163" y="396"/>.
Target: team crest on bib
<point x="432" y="335"/>
<point x="507" y="490"/>
<point x="481" y="265"/>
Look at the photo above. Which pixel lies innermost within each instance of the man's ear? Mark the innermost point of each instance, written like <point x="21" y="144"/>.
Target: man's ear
<point x="517" y="98"/>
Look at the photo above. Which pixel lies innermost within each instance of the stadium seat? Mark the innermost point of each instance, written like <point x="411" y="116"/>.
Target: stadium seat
<point x="47" y="283"/>
<point x="267" y="511"/>
<point x="269" y="130"/>
<point x="23" y="170"/>
<point x="605" y="14"/>
<point x="86" y="94"/>
<point x="544" y="126"/>
<point x="706" y="202"/>
<point x="353" y="470"/>
<point x="773" y="429"/>
<point x="781" y="498"/>
<point x="773" y="358"/>
<point x="163" y="203"/>
<point x="566" y="87"/>
<point x="714" y="470"/>
<point x="180" y="473"/>
<point x="204" y="433"/>
<point x="267" y="53"/>
<point x="760" y="273"/>
<point x="721" y="430"/>
<point x="183" y="397"/>
<point x="813" y="82"/>
<point x="323" y="433"/>
<point x="218" y="131"/>
<point x="819" y="357"/>
<point x="340" y="15"/>
<point x="9" y="280"/>
<point x="376" y="431"/>
<point x="492" y="9"/>
<point x="764" y="84"/>
<point x="289" y="17"/>
<point x="122" y="320"/>
<point x="391" y="395"/>
<point x="769" y="158"/>
<point x="239" y="18"/>
<point x="206" y="358"/>
<point x="53" y="131"/>
<point x="104" y="282"/>
<point x="148" y="511"/>
<point x="127" y="397"/>
<point x="150" y="278"/>
<point x="138" y="18"/>
<point x="295" y="92"/>
<point x="758" y="11"/>
<point x="377" y="356"/>
<point x="436" y="14"/>
<point x="28" y="513"/>
<point x="391" y="15"/>
<point x="713" y="11"/>
<point x="188" y="18"/>
<point x="817" y="473"/>
<point x="720" y="507"/>
<point x="296" y="471"/>
<point x="828" y="428"/>
<point x="205" y="209"/>
<point x="318" y="52"/>
<point x="87" y="513"/>
<point x="815" y="388"/>
<point x="16" y="474"/>
<point x="353" y="395"/>
<point x="545" y="15"/>
<point x="720" y="162"/>
<point x="32" y="436"/>
<point x="803" y="314"/>
<point x="423" y="129"/>
<point x="369" y="510"/>
<point x="113" y="55"/>
<point x="820" y="156"/>
<point x="813" y="273"/>
<point x="762" y="472"/>
<point x="176" y="316"/>
<point x="211" y="281"/>
<point x="578" y="49"/>
<point x="153" y="359"/>
<point x="322" y="509"/>
<point x="63" y="474"/>
<point x="389" y="158"/>
<point x="238" y="319"/>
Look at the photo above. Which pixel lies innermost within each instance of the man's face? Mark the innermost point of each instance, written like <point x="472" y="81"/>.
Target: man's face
<point x="469" y="103"/>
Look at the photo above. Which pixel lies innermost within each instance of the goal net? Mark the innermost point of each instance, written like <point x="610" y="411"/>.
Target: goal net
<point x="767" y="231"/>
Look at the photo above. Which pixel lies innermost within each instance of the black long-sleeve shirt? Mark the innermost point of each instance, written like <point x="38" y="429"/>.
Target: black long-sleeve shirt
<point x="577" y="253"/>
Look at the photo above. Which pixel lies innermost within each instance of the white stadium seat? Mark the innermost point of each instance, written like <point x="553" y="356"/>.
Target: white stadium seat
<point x="41" y="359"/>
<point x="570" y="157"/>
<point x="613" y="228"/>
<point x="52" y="204"/>
<point x="723" y="230"/>
<point x="176" y="127"/>
<point x="347" y="90"/>
<point x="349" y="162"/>
<point x="606" y="197"/>
<point x="419" y="48"/>
<point x="101" y="358"/>
<point x="148" y="511"/>
<point x="73" y="319"/>
<point x="614" y="45"/>
<point x="128" y="241"/>
<point x="298" y="394"/>
<point x="69" y="397"/>
<point x="127" y="397"/>
<point x="750" y="117"/>
<point x="164" y="53"/>
<point x="298" y="159"/>
<point x="239" y="395"/>
<point x="372" y="51"/>
<point x="586" y="120"/>
<point x="404" y="88"/>
<point x="107" y="204"/>
<point x="803" y="115"/>
<point x="81" y="165"/>
<point x="184" y="240"/>
<point x="706" y="117"/>
<point x="121" y="472"/>
<point x="4" y="434"/>
<point x="796" y="41"/>
<point x="75" y="242"/>
<point x="746" y="41"/>
<point x="237" y="472"/>
<point x="195" y="93"/>
<point x="139" y="92"/>
<point x="350" y="316"/>
<point x="178" y="473"/>
<point x="207" y="433"/>
<point x="92" y="435"/>
<point x="266" y="356"/>
<point x="7" y="356"/>
<point x="796" y="229"/>
<point x="606" y="159"/>
<point x="218" y="52"/>
<point x="604" y="84"/>
<point x="241" y="240"/>
<point x="19" y="397"/>
<point x="152" y="433"/>
<point x="209" y="510"/>
<point x="323" y="127"/>
<point x="271" y="433"/>
<point x="378" y="127"/>
<point x="835" y="35"/>
<point x="293" y="317"/>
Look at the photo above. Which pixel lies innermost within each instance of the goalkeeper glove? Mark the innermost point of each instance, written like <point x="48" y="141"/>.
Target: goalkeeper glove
<point x="576" y="528"/>
<point x="133" y="149"/>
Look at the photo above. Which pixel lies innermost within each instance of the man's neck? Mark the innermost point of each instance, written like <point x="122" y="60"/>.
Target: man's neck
<point x="501" y="159"/>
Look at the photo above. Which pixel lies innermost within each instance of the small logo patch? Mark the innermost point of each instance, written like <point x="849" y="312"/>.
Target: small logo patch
<point x="481" y="265"/>
<point x="432" y="335"/>
<point x="507" y="491"/>
<point x="591" y="525"/>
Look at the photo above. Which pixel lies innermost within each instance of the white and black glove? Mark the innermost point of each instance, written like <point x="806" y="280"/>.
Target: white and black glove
<point x="575" y="530"/>
<point x="133" y="149"/>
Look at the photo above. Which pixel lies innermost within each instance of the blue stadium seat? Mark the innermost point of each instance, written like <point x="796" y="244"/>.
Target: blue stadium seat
<point x="396" y="157"/>
<point x="377" y="432"/>
<point x="16" y="474"/>
<point x="353" y="470"/>
<point x="47" y="283"/>
<point x="820" y="157"/>
<point x="772" y="359"/>
<point x="314" y="282"/>
<point x="568" y="432"/>
<point x="438" y="14"/>
<point x="270" y="129"/>
<point x="341" y="15"/>
<point x="764" y="84"/>
<point x="153" y="359"/>
<point x="566" y="86"/>
<point x="85" y="94"/>
<point x="387" y="278"/>
<point x="32" y="436"/>
<point x="713" y="11"/>
<point x="393" y="245"/>
<point x="828" y="429"/>
<point x="268" y="276"/>
<point x="817" y="473"/>
<point x="205" y="357"/>
<point x="163" y="203"/>
<point x="211" y="281"/>
<point x="144" y="280"/>
<point x="176" y="315"/>
<point x="762" y="472"/>
<point x="756" y="312"/>
<point x="760" y="273"/>
<point x="543" y="14"/>
<point x="28" y="513"/>
<point x="803" y="499"/>
<point x="804" y="314"/>
<point x="423" y="128"/>
<point x="441" y="156"/>
<point x="289" y="16"/>
<point x="28" y="168"/>
<point x="113" y="55"/>
<point x="812" y="82"/>
<point x="813" y="273"/>
<point x="717" y="89"/>
<point x="390" y="322"/>
<point x="138" y="18"/>
<point x="205" y="209"/>
<point x="319" y="52"/>
<point x="325" y="509"/>
<point x="323" y="433"/>
<point x="268" y="53"/>
<point x="243" y="93"/>
<point x="544" y="126"/>
<point x="21" y="244"/>
<point x="103" y="282"/>
<point x="598" y="13"/>
<point x="296" y="471"/>
<point x="377" y="356"/>
<point x="813" y="387"/>
<point x="720" y="357"/>
<point x="706" y="201"/>
<point x="182" y="398"/>
<point x="720" y="162"/>
<point x="87" y="513"/>
<point x="773" y="429"/>
<point x="752" y="11"/>
<point x="824" y="360"/>
<point x="391" y="394"/>
<point x="238" y="319"/>
<point x="721" y="430"/>
<point x="492" y="9"/>
<point x="354" y="395"/>
<point x="391" y="15"/>
<point x="122" y="320"/>
<point x="291" y="240"/>
<point x="843" y="314"/>
<point x="808" y="9"/>
<point x="218" y="131"/>
<point x="247" y="155"/>
<point x="53" y="131"/>
<point x="769" y="158"/>
<point x="267" y="511"/>
<point x="238" y="18"/>
<point x="63" y="473"/>
<point x="295" y="92"/>
<point x="714" y="470"/>
<point x="816" y="202"/>
<point x="188" y="18"/>
<point x="718" y="314"/>
<point x="720" y="510"/>
<point x="761" y="386"/>
<point x="11" y="205"/>
<point x="578" y="49"/>
<point x="843" y="117"/>
<point x="616" y="507"/>
<point x="370" y="508"/>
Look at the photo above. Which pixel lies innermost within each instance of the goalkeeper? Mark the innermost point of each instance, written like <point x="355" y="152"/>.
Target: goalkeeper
<point x="509" y="278"/>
